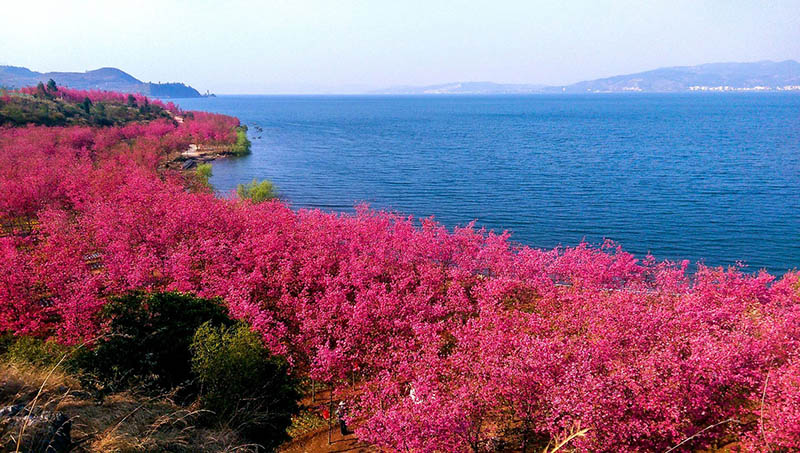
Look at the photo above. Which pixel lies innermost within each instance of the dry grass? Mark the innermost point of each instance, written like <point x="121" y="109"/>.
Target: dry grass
<point x="122" y="423"/>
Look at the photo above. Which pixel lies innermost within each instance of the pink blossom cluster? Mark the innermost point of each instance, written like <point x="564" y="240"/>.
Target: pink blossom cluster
<point x="211" y="127"/>
<point x="458" y="340"/>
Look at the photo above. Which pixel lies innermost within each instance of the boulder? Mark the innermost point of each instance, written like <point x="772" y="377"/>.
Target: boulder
<point x="44" y="431"/>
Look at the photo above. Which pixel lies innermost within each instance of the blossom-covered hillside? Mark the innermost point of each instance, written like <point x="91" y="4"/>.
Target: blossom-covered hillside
<point x="456" y="340"/>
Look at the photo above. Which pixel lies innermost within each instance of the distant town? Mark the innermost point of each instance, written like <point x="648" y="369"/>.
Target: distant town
<point x="755" y="88"/>
<point x="703" y="88"/>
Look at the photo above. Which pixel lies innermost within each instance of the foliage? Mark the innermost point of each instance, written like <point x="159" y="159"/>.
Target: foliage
<point x="211" y="128"/>
<point x="242" y="145"/>
<point x="49" y="110"/>
<point x="242" y="384"/>
<point x="6" y="341"/>
<point x="86" y="105"/>
<point x="146" y="344"/>
<point x="257" y="191"/>
<point x="204" y="172"/>
<point x="306" y="422"/>
<point x="111" y="97"/>
<point x="38" y="352"/>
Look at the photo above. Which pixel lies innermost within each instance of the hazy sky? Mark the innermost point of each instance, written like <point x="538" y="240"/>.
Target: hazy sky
<point x="298" y="46"/>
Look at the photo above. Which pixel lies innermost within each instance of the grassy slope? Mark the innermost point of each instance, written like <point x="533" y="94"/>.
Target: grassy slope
<point x="22" y="109"/>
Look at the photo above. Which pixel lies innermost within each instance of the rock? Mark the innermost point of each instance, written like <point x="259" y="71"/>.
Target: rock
<point x="44" y="431"/>
<point x="189" y="164"/>
<point x="81" y="394"/>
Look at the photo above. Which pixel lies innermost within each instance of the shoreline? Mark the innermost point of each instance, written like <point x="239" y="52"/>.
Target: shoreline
<point x="200" y="153"/>
<point x="197" y="154"/>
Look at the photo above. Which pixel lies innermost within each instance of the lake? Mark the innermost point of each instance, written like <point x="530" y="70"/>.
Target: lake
<point x="711" y="177"/>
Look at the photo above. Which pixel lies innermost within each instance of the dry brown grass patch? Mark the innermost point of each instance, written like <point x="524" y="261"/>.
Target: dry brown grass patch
<point x="124" y="422"/>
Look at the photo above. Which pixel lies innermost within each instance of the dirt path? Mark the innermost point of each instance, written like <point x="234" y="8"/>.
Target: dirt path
<point x="317" y="442"/>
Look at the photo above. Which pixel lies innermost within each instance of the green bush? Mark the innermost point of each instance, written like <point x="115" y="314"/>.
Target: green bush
<point x="257" y="191"/>
<point x="242" y="145"/>
<point x="35" y="351"/>
<point x="146" y="347"/>
<point x="204" y="172"/>
<point x="244" y="385"/>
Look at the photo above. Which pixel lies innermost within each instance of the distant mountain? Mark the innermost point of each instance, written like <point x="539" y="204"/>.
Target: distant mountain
<point x="758" y="76"/>
<point x="465" y="88"/>
<point x="110" y="79"/>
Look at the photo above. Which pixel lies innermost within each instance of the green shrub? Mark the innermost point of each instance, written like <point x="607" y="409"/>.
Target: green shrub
<point x="35" y="351"/>
<point x="146" y="347"/>
<point x="204" y="172"/>
<point x="306" y="422"/>
<point x="244" y="385"/>
<point x="242" y="145"/>
<point x="257" y="191"/>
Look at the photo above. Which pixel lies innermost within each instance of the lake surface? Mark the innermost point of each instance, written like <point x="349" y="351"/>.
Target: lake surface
<point x="712" y="177"/>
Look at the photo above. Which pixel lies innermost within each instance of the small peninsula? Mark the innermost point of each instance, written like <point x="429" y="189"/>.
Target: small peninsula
<point x="107" y="79"/>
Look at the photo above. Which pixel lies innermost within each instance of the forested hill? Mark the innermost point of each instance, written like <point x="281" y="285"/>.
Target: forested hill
<point x="108" y="79"/>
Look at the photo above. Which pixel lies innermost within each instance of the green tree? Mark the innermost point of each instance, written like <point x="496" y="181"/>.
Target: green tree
<point x="131" y="101"/>
<point x="51" y="86"/>
<point x="257" y="191"/>
<point x="99" y="115"/>
<point x="41" y="91"/>
<point x="242" y="145"/>
<point x="86" y="105"/>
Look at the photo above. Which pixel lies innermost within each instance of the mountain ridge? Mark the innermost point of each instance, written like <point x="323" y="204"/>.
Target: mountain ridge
<point x="106" y="78"/>
<point x="762" y="75"/>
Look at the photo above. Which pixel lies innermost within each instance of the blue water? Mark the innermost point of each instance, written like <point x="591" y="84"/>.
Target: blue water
<point x="697" y="176"/>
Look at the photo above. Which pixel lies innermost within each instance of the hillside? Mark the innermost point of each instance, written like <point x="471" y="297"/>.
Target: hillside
<point x="757" y="76"/>
<point x="65" y="107"/>
<point x="108" y="79"/>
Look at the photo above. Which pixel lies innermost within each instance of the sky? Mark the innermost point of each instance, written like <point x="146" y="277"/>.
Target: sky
<point x="315" y="46"/>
